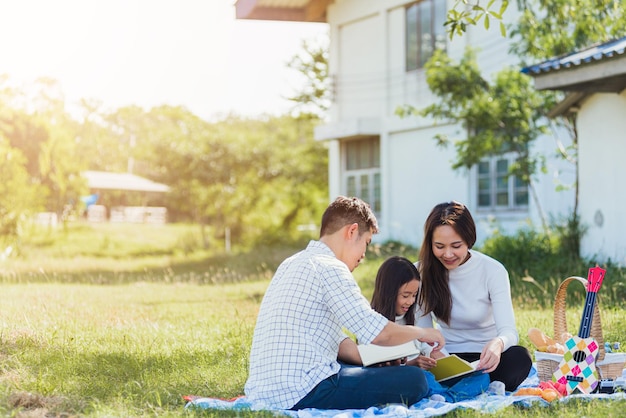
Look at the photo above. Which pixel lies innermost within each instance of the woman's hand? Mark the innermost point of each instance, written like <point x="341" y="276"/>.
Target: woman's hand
<point x="490" y="357"/>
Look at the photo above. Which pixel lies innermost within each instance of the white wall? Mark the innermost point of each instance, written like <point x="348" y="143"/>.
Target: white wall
<point x="360" y="78"/>
<point x="560" y="174"/>
<point x="602" y="147"/>
<point x="419" y="177"/>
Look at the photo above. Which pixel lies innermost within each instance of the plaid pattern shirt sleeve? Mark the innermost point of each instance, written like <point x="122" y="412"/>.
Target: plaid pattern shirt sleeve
<point x="299" y="326"/>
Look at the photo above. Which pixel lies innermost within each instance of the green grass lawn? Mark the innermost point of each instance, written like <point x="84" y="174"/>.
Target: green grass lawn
<point x="125" y="350"/>
<point x="130" y="339"/>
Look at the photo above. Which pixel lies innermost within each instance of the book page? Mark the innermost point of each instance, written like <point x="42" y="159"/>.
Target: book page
<point x="372" y="353"/>
<point x="452" y="366"/>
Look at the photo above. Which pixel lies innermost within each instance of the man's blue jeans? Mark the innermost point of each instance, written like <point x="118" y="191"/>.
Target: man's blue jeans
<point x="356" y="387"/>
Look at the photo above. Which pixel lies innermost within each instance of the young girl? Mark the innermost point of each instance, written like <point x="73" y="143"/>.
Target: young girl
<point x="395" y="293"/>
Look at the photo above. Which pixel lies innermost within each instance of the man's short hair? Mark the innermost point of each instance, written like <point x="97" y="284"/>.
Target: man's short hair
<point x="346" y="211"/>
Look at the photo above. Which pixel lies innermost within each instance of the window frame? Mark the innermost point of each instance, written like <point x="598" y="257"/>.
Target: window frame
<point x="362" y="172"/>
<point x="414" y="18"/>
<point x="495" y="177"/>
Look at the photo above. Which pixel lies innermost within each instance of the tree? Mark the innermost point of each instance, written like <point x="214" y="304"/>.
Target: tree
<point x="58" y="166"/>
<point x="26" y="134"/>
<point x="99" y="142"/>
<point x="18" y="197"/>
<point x="257" y="178"/>
<point x="34" y="121"/>
<point x="550" y="28"/>
<point x="465" y="13"/>
<point x="315" y="96"/>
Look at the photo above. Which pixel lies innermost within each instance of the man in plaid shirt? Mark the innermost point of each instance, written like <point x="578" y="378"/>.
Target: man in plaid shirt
<point x="312" y="296"/>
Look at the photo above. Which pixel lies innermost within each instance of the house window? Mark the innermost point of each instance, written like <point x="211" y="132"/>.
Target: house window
<point x="497" y="189"/>
<point x="424" y="31"/>
<point x="362" y="170"/>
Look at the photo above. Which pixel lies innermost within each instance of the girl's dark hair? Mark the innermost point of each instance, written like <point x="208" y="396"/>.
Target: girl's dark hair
<point x="393" y="273"/>
<point x="434" y="295"/>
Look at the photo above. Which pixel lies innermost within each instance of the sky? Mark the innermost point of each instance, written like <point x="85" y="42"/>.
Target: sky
<point x="192" y="53"/>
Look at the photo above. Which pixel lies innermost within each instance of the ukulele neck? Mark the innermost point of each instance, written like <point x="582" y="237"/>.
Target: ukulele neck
<point x="585" y="324"/>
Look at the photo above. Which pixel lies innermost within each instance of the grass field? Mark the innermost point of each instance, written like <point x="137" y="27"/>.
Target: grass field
<point x="129" y="334"/>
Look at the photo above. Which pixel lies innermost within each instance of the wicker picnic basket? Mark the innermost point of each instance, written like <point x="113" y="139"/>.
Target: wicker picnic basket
<point x="609" y="365"/>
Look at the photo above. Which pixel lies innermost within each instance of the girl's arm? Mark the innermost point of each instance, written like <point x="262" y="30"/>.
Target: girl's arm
<point x="424" y="362"/>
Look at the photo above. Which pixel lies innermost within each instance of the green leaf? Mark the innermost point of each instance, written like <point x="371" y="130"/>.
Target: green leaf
<point x="442" y="141"/>
<point x="504" y="6"/>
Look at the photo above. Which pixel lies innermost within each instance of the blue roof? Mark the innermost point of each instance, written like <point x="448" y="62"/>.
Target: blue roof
<point x="589" y="55"/>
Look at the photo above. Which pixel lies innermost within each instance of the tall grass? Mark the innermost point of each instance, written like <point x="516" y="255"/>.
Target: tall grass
<point x="88" y="332"/>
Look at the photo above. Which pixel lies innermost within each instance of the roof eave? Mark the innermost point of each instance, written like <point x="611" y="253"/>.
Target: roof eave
<point x="604" y="76"/>
<point x="312" y="11"/>
<point x="570" y="104"/>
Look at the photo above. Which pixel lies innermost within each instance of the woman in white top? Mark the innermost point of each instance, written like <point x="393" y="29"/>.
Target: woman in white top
<point x="467" y="294"/>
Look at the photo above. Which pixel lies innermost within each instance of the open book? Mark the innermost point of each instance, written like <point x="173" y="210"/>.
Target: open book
<point x="452" y="366"/>
<point x="372" y="353"/>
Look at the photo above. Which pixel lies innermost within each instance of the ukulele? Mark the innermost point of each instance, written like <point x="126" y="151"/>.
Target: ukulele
<point x="577" y="371"/>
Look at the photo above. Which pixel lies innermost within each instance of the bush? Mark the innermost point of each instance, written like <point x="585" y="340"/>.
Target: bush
<point x="526" y="253"/>
<point x="538" y="263"/>
<point x="539" y="255"/>
<point x="570" y="232"/>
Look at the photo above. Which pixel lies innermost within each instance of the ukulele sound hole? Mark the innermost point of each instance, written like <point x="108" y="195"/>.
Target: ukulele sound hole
<point x="579" y="356"/>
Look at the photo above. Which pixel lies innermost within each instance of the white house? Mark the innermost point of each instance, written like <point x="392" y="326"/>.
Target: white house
<point x="595" y="82"/>
<point x="377" y="52"/>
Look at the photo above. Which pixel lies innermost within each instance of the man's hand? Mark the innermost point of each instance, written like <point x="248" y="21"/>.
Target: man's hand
<point x="433" y="337"/>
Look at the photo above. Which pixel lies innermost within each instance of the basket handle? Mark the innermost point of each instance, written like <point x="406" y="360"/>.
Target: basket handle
<point x="560" y="321"/>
